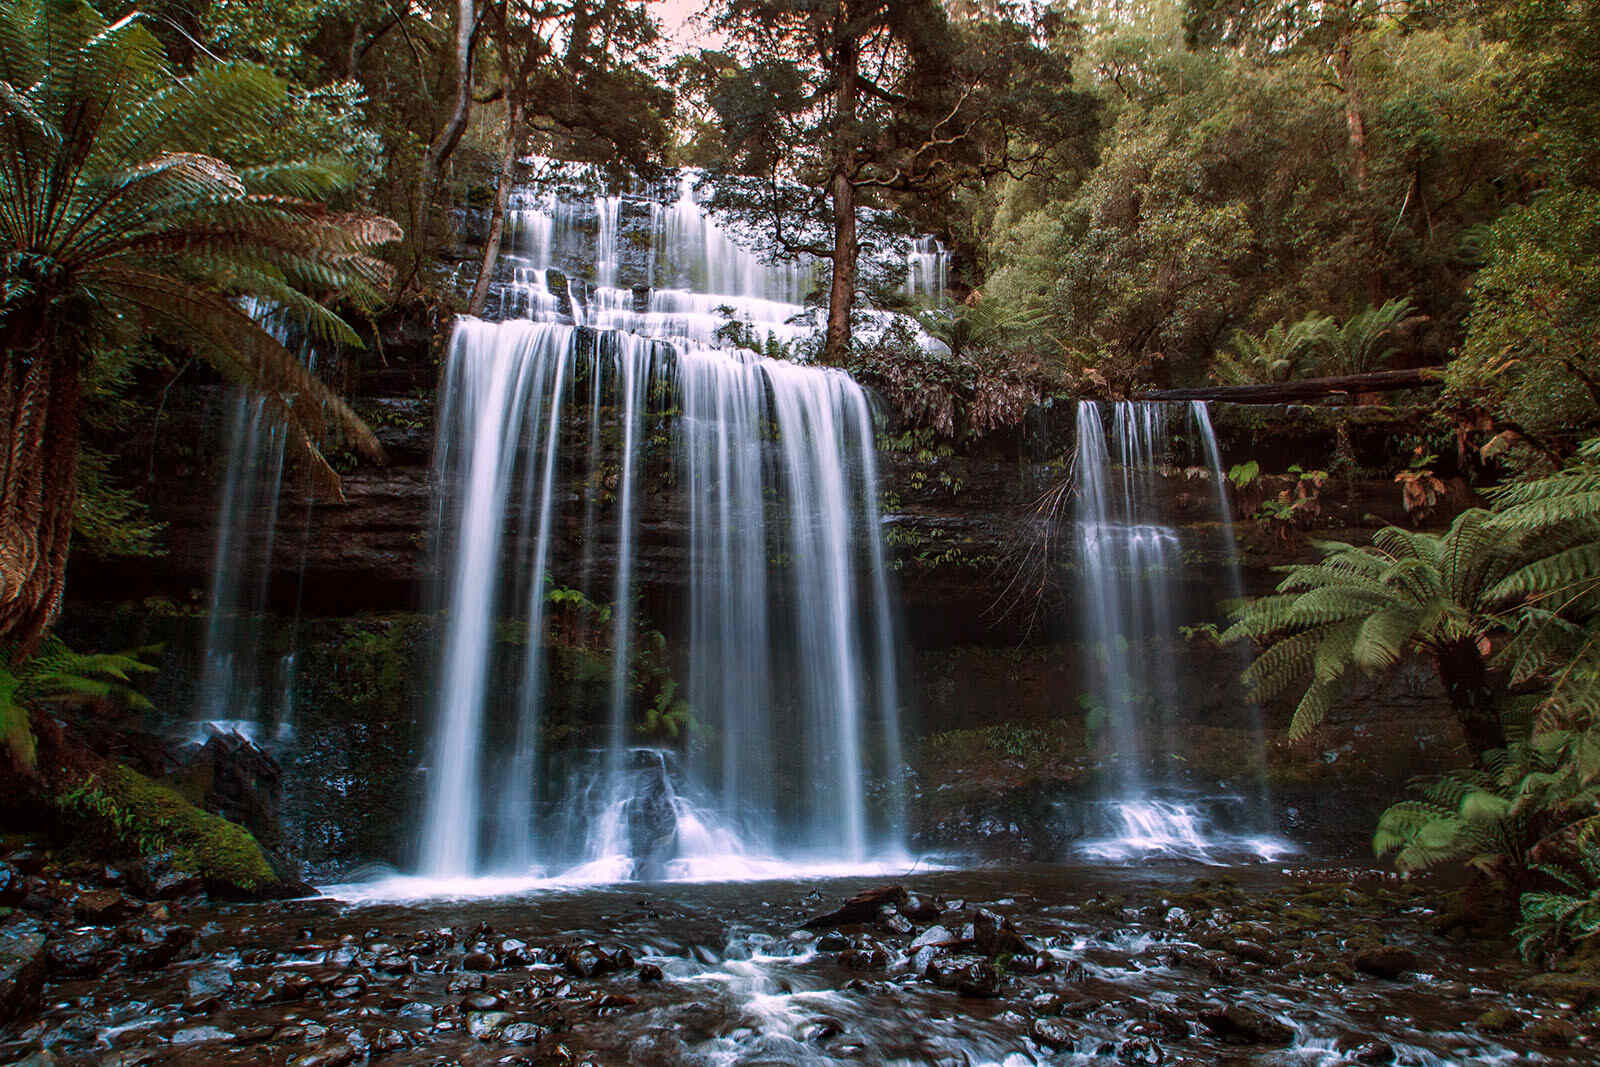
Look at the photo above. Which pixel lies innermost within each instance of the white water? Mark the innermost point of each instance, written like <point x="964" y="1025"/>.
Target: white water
<point x="789" y="659"/>
<point x="1131" y="561"/>
<point x="242" y="688"/>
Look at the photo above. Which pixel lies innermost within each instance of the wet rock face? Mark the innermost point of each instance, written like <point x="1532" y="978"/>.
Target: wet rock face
<point x="652" y="826"/>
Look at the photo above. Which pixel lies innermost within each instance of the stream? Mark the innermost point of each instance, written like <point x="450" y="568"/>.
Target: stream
<point x="1167" y="961"/>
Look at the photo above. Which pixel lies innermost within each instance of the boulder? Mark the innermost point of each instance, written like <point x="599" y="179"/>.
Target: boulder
<point x="1385" y="961"/>
<point x="971" y="976"/>
<point x="1240" y="1025"/>
<point x="23" y="963"/>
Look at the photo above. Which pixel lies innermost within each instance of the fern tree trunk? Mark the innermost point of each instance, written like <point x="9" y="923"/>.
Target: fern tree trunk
<point x="39" y="399"/>
<point x="1466" y="682"/>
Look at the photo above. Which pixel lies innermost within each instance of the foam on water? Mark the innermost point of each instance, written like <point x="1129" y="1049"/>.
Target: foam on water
<point x="1145" y="829"/>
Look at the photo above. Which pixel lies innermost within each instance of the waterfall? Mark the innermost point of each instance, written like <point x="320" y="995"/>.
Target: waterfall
<point x="1130" y="560"/>
<point x="927" y="271"/>
<point x="239" y="690"/>
<point x="566" y="431"/>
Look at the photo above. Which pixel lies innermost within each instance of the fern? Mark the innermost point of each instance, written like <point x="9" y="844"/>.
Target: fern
<point x="56" y="675"/>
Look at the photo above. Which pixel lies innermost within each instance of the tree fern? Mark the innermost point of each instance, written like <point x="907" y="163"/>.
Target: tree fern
<point x="1573" y="493"/>
<point x="130" y="204"/>
<point x="56" y="675"/>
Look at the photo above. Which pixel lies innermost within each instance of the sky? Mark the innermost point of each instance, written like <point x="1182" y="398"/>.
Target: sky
<point x="674" y="16"/>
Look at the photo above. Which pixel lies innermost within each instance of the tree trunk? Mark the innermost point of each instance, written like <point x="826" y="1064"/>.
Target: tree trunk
<point x="1466" y="683"/>
<point x="502" y="200"/>
<point x="1306" y="389"/>
<point x="842" y="292"/>
<point x="39" y="395"/>
<point x="1355" y="124"/>
<point x="445" y="142"/>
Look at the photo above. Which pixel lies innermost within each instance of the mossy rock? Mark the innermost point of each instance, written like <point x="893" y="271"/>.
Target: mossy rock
<point x="122" y="808"/>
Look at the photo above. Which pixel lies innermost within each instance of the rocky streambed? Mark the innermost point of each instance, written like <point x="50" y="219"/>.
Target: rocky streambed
<point x="1154" y="963"/>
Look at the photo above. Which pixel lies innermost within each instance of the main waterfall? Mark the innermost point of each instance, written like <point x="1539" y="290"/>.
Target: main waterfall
<point x="587" y="406"/>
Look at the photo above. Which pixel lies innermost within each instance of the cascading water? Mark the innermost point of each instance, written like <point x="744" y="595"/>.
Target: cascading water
<point x="1130" y="565"/>
<point x="243" y="688"/>
<point x="789" y="664"/>
<point x="927" y="271"/>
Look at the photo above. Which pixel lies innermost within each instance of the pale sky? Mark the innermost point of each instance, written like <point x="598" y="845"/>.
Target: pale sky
<point x="674" y="16"/>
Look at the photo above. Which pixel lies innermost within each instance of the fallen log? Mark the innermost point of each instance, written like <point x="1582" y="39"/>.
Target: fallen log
<point x="1305" y="389"/>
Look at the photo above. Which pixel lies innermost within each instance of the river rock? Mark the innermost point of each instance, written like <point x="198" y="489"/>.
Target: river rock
<point x="1054" y="1033"/>
<point x="487" y="1025"/>
<point x="153" y="947"/>
<point x="200" y="1035"/>
<point x="1499" y="1020"/>
<point x="971" y="976"/>
<point x="13" y="886"/>
<point x="208" y="982"/>
<point x="23" y="963"/>
<point x="159" y="878"/>
<point x="81" y="955"/>
<point x="1553" y="1033"/>
<point x="524" y="1033"/>
<point x="994" y="935"/>
<point x="649" y="972"/>
<point x="1241" y="1025"/>
<point x="933" y="935"/>
<point x="1385" y="961"/>
<point x="861" y="908"/>
<point x="102" y="907"/>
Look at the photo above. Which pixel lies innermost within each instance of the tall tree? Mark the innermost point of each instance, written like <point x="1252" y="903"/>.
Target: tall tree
<point x="826" y="107"/>
<point x="115" y="220"/>
<point x="443" y="144"/>
<point x="591" y="101"/>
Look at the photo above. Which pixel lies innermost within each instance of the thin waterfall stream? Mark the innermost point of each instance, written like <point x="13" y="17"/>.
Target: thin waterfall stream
<point x="1130" y="560"/>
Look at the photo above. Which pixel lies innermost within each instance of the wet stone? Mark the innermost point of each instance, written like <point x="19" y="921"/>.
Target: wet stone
<point x="1385" y="961"/>
<point x="23" y="963"/>
<point x="1054" y="1033"/>
<point x="210" y="982"/>
<point x="649" y="972"/>
<point x="832" y="941"/>
<point x="199" y="1035"/>
<point x="933" y="935"/>
<point x="82" y="955"/>
<point x="524" y="1033"/>
<point x="971" y="976"/>
<point x="328" y="1056"/>
<point x="487" y="1025"/>
<point x="478" y="961"/>
<point x="1241" y="1025"/>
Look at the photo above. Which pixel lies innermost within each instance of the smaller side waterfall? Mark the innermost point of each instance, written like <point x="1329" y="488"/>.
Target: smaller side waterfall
<point x="1130" y="560"/>
<point x="243" y="686"/>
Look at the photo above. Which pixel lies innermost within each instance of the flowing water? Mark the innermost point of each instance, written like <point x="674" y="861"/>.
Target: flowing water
<point x="1131" y="566"/>
<point x="1159" y="964"/>
<point x="243" y="688"/>
<point x="629" y="389"/>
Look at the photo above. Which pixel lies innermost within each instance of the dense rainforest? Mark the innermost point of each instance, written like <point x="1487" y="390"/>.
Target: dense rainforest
<point x="848" y="384"/>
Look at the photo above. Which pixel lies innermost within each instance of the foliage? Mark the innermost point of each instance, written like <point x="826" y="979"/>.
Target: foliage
<point x="1420" y="489"/>
<point x="973" y="386"/>
<point x="120" y="216"/>
<point x="1526" y="801"/>
<point x="56" y="676"/>
<point x="150" y="819"/>
<point x="1296" y="506"/>
<point x="1443" y="596"/>
<point x="1275" y="356"/>
<point x="1569" y="914"/>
